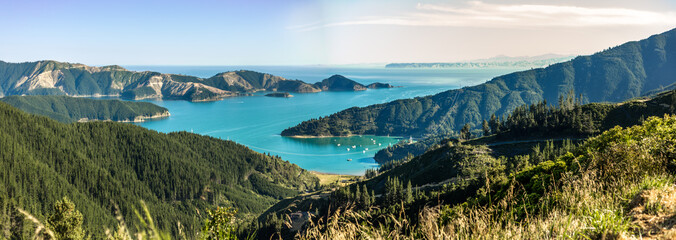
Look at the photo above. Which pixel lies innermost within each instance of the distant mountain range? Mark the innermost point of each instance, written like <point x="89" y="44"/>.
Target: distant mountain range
<point x="494" y="62"/>
<point x="59" y="78"/>
<point x="630" y="70"/>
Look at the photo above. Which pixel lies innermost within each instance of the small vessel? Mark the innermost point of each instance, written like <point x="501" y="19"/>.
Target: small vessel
<point x="379" y="144"/>
<point x="349" y="159"/>
<point x="366" y="149"/>
<point x="348" y="149"/>
<point x="363" y="151"/>
<point x="354" y="146"/>
<point x="338" y="145"/>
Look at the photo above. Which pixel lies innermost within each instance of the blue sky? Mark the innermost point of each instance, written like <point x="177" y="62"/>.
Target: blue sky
<point x="318" y="32"/>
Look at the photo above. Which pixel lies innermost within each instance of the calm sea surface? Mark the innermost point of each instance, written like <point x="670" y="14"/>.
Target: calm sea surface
<point x="256" y="121"/>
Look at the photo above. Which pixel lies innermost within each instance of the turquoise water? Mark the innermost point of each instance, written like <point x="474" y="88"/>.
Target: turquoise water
<point x="256" y="121"/>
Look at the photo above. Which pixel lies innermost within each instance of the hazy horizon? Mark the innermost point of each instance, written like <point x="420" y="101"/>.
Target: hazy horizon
<point x="307" y="33"/>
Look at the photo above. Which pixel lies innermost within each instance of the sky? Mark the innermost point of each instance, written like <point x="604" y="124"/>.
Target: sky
<point x="301" y="32"/>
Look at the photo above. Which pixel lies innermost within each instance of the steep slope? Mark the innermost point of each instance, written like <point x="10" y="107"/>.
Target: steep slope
<point x="69" y="109"/>
<point x="613" y="75"/>
<point x="102" y="164"/>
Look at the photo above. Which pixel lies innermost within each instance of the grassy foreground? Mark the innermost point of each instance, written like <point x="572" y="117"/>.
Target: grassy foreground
<point x="618" y="185"/>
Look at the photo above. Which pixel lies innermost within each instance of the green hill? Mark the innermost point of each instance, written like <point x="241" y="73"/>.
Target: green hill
<point x="68" y="109"/>
<point x="614" y="75"/>
<point x="102" y="164"/>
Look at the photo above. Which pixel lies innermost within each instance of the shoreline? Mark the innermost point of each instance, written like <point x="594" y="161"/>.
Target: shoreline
<point x="137" y="119"/>
<point x="328" y="179"/>
<point x="351" y="135"/>
<point x="332" y="174"/>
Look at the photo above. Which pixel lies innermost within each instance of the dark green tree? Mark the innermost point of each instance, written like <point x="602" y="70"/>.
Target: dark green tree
<point x="366" y="198"/>
<point x="486" y="128"/>
<point x="465" y="134"/>
<point x="409" y="192"/>
<point x="494" y="124"/>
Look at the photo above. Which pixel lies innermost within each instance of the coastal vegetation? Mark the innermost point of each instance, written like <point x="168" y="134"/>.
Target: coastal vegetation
<point x="69" y="109"/>
<point x="279" y="94"/>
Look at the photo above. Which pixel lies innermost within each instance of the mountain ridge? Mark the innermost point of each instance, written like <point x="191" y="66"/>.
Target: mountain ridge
<point x="616" y="74"/>
<point x="50" y="77"/>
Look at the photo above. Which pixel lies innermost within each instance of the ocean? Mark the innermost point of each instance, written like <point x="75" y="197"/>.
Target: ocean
<point x="256" y="121"/>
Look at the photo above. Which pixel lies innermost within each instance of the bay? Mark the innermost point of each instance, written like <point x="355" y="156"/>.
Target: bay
<point x="256" y="121"/>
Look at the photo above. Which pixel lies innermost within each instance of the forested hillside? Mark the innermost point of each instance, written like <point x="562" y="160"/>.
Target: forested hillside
<point x="569" y="119"/>
<point x="618" y="185"/>
<point x="100" y="165"/>
<point x="614" y="75"/>
<point x="69" y="109"/>
<point x="526" y="180"/>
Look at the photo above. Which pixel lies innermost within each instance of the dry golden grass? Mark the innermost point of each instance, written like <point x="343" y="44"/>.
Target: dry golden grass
<point x="581" y="208"/>
<point x="326" y="179"/>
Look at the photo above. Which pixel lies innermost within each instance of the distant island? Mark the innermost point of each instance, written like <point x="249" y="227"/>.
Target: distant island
<point x="279" y="94"/>
<point x="79" y="80"/>
<point x="494" y="62"/>
<point x="70" y="109"/>
<point x="341" y="83"/>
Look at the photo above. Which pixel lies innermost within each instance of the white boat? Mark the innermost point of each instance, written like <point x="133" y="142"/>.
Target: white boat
<point x="354" y="146"/>
<point x="348" y="149"/>
<point x="349" y="159"/>
<point x="338" y="145"/>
